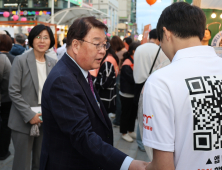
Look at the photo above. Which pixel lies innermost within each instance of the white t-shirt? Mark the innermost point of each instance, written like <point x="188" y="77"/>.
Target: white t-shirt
<point x="182" y="106"/>
<point x="41" y="70"/>
<point x="61" y="51"/>
<point x="143" y="60"/>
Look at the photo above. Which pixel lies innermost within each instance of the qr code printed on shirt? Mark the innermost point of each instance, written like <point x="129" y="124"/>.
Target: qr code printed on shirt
<point x="206" y="103"/>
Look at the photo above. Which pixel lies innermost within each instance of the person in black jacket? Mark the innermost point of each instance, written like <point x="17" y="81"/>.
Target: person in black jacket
<point x="5" y="131"/>
<point x="128" y="116"/>
<point x="106" y="80"/>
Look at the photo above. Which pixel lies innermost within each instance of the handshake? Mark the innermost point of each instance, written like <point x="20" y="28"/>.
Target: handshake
<point x="138" y="165"/>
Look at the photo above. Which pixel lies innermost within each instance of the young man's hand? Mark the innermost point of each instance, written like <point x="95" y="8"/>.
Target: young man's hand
<point x="138" y="165"/>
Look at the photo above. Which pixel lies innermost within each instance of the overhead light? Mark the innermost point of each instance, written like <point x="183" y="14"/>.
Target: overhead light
<point x="213" y="15"/>
<point x="221" y="16"/>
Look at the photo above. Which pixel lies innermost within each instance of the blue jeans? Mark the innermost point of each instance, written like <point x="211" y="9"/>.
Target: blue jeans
<point x="139" y="139"/>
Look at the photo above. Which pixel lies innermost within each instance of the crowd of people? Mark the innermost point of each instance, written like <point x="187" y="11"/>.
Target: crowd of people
<point x="171" y="84"/>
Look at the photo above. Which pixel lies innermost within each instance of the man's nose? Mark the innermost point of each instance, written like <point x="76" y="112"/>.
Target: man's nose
<point x="102" y="50"/>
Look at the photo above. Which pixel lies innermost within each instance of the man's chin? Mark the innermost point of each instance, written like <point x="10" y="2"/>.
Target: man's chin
<point x="96" y="66"/>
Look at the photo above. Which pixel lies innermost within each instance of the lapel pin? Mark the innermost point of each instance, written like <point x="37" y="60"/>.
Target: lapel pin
<point x="49" y="64"/>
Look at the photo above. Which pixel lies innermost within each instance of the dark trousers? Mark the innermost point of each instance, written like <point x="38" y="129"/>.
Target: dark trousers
<point x="128" y="116"/>
<point x="116" y="121"/>
<point x="5" y="131"/>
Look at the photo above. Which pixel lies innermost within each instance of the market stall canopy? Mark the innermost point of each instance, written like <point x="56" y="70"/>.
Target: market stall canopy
<point x="208" y="4"/>
<point x="67" y="16"/>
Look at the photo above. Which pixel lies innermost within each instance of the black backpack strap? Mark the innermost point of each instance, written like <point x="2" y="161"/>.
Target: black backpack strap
<point x="155" y="60"/>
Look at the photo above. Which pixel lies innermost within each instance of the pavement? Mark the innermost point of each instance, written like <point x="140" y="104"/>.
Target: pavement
<point x="130" y="149"/>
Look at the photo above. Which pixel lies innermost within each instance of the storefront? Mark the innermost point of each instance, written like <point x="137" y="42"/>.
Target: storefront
<point x="34" y="9"/>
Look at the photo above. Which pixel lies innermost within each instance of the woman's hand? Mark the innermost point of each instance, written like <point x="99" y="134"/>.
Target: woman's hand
<point x="36" y="119"/>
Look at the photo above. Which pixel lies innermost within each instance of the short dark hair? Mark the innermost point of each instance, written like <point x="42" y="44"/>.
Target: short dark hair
<point x="64" y="40"/>
<point x="128" y="40"/>
<point x="117" y="44"/>
<point x="132" y="47"/>
<point x="5" y="42"/>
<point x="208" y="30"/>
<point x="153" y="34"/>
<point x="20" y="38"/>
<point x="81" y="26"/>
<point x="183" y="20"/>
<point x="37" y="30"/>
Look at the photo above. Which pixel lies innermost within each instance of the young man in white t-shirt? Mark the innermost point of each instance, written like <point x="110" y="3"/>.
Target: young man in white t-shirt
<point x="183" y="101"/>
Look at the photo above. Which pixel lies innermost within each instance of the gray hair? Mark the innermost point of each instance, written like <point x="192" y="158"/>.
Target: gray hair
<point x="20" y="38"/>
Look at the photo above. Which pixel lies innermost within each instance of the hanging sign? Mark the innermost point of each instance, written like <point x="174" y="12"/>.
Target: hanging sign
<point x="146" y="31"/>
<point x="216" y="42"/>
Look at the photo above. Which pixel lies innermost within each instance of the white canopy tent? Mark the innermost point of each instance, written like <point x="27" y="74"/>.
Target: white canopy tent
<point x="67" y="16"/>
<point x="211" y="4"/>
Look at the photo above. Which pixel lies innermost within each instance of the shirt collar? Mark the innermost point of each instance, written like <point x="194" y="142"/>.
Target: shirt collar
<point x="196" y="51"/>
<point x="84" y="72"/>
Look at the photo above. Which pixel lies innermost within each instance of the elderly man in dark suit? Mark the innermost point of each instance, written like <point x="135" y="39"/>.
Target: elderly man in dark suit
<point x="77" y="131"/>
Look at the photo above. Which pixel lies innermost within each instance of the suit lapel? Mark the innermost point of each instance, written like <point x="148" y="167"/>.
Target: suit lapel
<point x="90" y="97"/>
<point x="33" y="69"/>
<point x="85" y="86"/>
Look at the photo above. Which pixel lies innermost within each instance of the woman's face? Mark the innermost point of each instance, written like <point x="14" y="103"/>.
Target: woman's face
<point x="42" y="42"/>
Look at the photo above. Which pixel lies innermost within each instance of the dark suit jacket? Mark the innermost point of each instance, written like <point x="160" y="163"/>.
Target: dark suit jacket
<point x="76" y="134"/>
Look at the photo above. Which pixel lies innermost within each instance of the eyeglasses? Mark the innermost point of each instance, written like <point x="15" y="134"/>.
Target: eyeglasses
<point x="42" y="38"/>
<point x="99" y="46"/>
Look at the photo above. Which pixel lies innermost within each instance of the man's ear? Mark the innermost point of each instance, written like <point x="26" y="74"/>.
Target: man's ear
<point x="75" y="46"/>
<point x="167" y="34"/>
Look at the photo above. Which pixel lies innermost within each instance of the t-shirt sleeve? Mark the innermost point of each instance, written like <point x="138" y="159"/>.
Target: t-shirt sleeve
<point x="158" y="118"/>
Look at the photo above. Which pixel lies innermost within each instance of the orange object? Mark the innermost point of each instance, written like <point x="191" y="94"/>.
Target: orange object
<point x="94" y="72"/>
<point x="151" y="2"/>
<point x="146" y="31"/>
<point x="128" y="62"/>
<point x="110" y="59"/>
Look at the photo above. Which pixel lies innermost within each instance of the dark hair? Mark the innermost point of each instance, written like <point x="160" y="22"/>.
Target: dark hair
<point x="183" y="20"/>
<point x="13" y="40"/>
<point x="81" y="26"/>
<point x="112" y="52"/>
<point x="5" y="42"/>
<point x="208" y="30"/>
<point x="153" y="34"/>
<point x="117" y="44"/>
<point x="64" y="40"/>
<point x="20" y="38"/>
<point x="7" y="33"/>
<point x="37" y="30"/>
<point x="128" y="40"/>
<point x="132" y="47"/>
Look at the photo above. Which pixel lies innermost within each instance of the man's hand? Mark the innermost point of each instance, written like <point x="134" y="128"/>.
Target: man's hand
<point x="36" y="119"/>
<point x="138" y="165"/>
